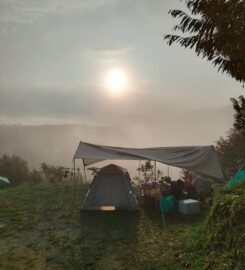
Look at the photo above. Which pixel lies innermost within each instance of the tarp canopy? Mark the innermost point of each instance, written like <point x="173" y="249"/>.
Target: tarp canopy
<point x="200" y="159"/>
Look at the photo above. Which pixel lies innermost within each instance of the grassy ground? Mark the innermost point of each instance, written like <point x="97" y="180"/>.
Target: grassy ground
<point x="44" y="229"/>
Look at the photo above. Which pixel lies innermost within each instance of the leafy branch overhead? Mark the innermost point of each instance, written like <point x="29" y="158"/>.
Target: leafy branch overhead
<point x="239" y="107"/>
<point x="216" y="31"/>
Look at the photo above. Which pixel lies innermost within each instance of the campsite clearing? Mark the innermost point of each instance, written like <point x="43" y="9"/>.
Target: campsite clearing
<point x="44" y="229"/>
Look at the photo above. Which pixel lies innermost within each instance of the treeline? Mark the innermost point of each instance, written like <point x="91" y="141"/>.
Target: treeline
<point x="232" y="151"/>
<point x="232" y="148"/>
<point x="18" y="172"/>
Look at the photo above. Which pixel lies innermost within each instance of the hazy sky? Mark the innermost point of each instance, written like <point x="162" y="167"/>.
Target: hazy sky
<point x="54" y="56"/>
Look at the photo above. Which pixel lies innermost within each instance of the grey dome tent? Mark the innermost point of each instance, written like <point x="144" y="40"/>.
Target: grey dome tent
<point x="111" y="190"/>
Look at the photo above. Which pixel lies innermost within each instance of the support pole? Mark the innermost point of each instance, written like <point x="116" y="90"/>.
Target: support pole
<point x="139" y="170"/>
<point x="74" y="178"/>
<point x="155" y="170"/>
<point x="155" y="179"/>
<point x="85" y="177"/>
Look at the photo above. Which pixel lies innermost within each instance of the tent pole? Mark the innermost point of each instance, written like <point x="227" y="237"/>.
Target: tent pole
<point x="155" y="178"/>
<point x="74" y="178"/>
<point x="139" y="170"/>
<point x="155" y="170"/>
<point x="85" y="177"/>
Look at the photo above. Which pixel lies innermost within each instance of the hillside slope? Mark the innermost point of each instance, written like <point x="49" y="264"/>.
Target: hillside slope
<point x="220" y="243"/>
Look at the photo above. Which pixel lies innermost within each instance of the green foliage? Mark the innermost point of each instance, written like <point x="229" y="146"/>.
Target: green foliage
<point x="53" y="174"/>
<point x="231" y="151"/>
<point x="35" y="177"/>
<point x="239" y="107"/>
<point x="147" y="169"/>
<point x="186" y="174"/>
<point x="220" y="242"/>
<point x="15" y="169"/>
<point x="221" y="41"/>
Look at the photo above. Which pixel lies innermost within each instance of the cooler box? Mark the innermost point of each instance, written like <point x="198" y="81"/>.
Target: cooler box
<point x="189" y="207"/>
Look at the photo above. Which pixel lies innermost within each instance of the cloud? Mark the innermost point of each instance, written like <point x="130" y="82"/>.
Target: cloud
<point x="29" y="11"/>
<point x="111" y="49"/>
<point x="108" y="54"/>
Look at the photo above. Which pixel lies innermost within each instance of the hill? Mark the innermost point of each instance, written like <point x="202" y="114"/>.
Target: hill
<point x="56" y="144"/>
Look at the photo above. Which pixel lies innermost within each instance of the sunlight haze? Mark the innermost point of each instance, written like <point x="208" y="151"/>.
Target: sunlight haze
<point x="65" y="62"/>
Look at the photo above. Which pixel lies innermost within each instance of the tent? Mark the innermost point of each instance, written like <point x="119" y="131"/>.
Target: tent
<point x="111" y="190"/>
<point x="4" y="182"/>
<point x="200" y="159"/>
<point x="236" y="179"/>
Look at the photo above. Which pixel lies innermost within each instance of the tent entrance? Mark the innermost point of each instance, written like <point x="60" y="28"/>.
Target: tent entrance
<point x="108" y="208"/>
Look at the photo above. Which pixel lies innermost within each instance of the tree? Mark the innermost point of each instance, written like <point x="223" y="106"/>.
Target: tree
<point x="239" y="107"/>
<point x="216" y="31"/>
<point x="53" y="174"/>
<point x="231" y="151"/>
<point x="232" y="148"/>
<point x="35" y="177"/>
<point x="187" y="175"/>
<point x="147" y="170"/>
<point x="15" y="169"/>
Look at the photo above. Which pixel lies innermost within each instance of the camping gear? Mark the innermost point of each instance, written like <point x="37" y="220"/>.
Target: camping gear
<point x="151" y="190"/>
<point x="4" y="182"/>
<point x="236" y="179"/>
<point x="177" y="188"/>
<point x="165" y="189"/>
<point x="167" y="204"/>
<point x="200" y="159"/>
<point x="189" y="207"/>
<point x="111" y="190"/>
<point x="203" y="186"/>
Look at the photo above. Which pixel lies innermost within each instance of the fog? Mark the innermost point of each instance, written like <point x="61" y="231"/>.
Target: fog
<point x="56" y="144"/>
<point x="54" y="56"/>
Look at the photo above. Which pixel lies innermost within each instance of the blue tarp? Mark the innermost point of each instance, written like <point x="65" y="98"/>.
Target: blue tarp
<point x="236" y="179"/>
<point x="4" y="182"/>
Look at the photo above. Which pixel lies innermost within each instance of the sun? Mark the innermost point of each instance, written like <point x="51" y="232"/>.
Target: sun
<point x="116" y="81"/>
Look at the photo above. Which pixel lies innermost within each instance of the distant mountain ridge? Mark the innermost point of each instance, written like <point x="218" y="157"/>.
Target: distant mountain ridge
<point x="56" y="144"/>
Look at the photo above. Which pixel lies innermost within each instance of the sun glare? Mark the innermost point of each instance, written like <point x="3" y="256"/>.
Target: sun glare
<point x="116" y="81"/>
